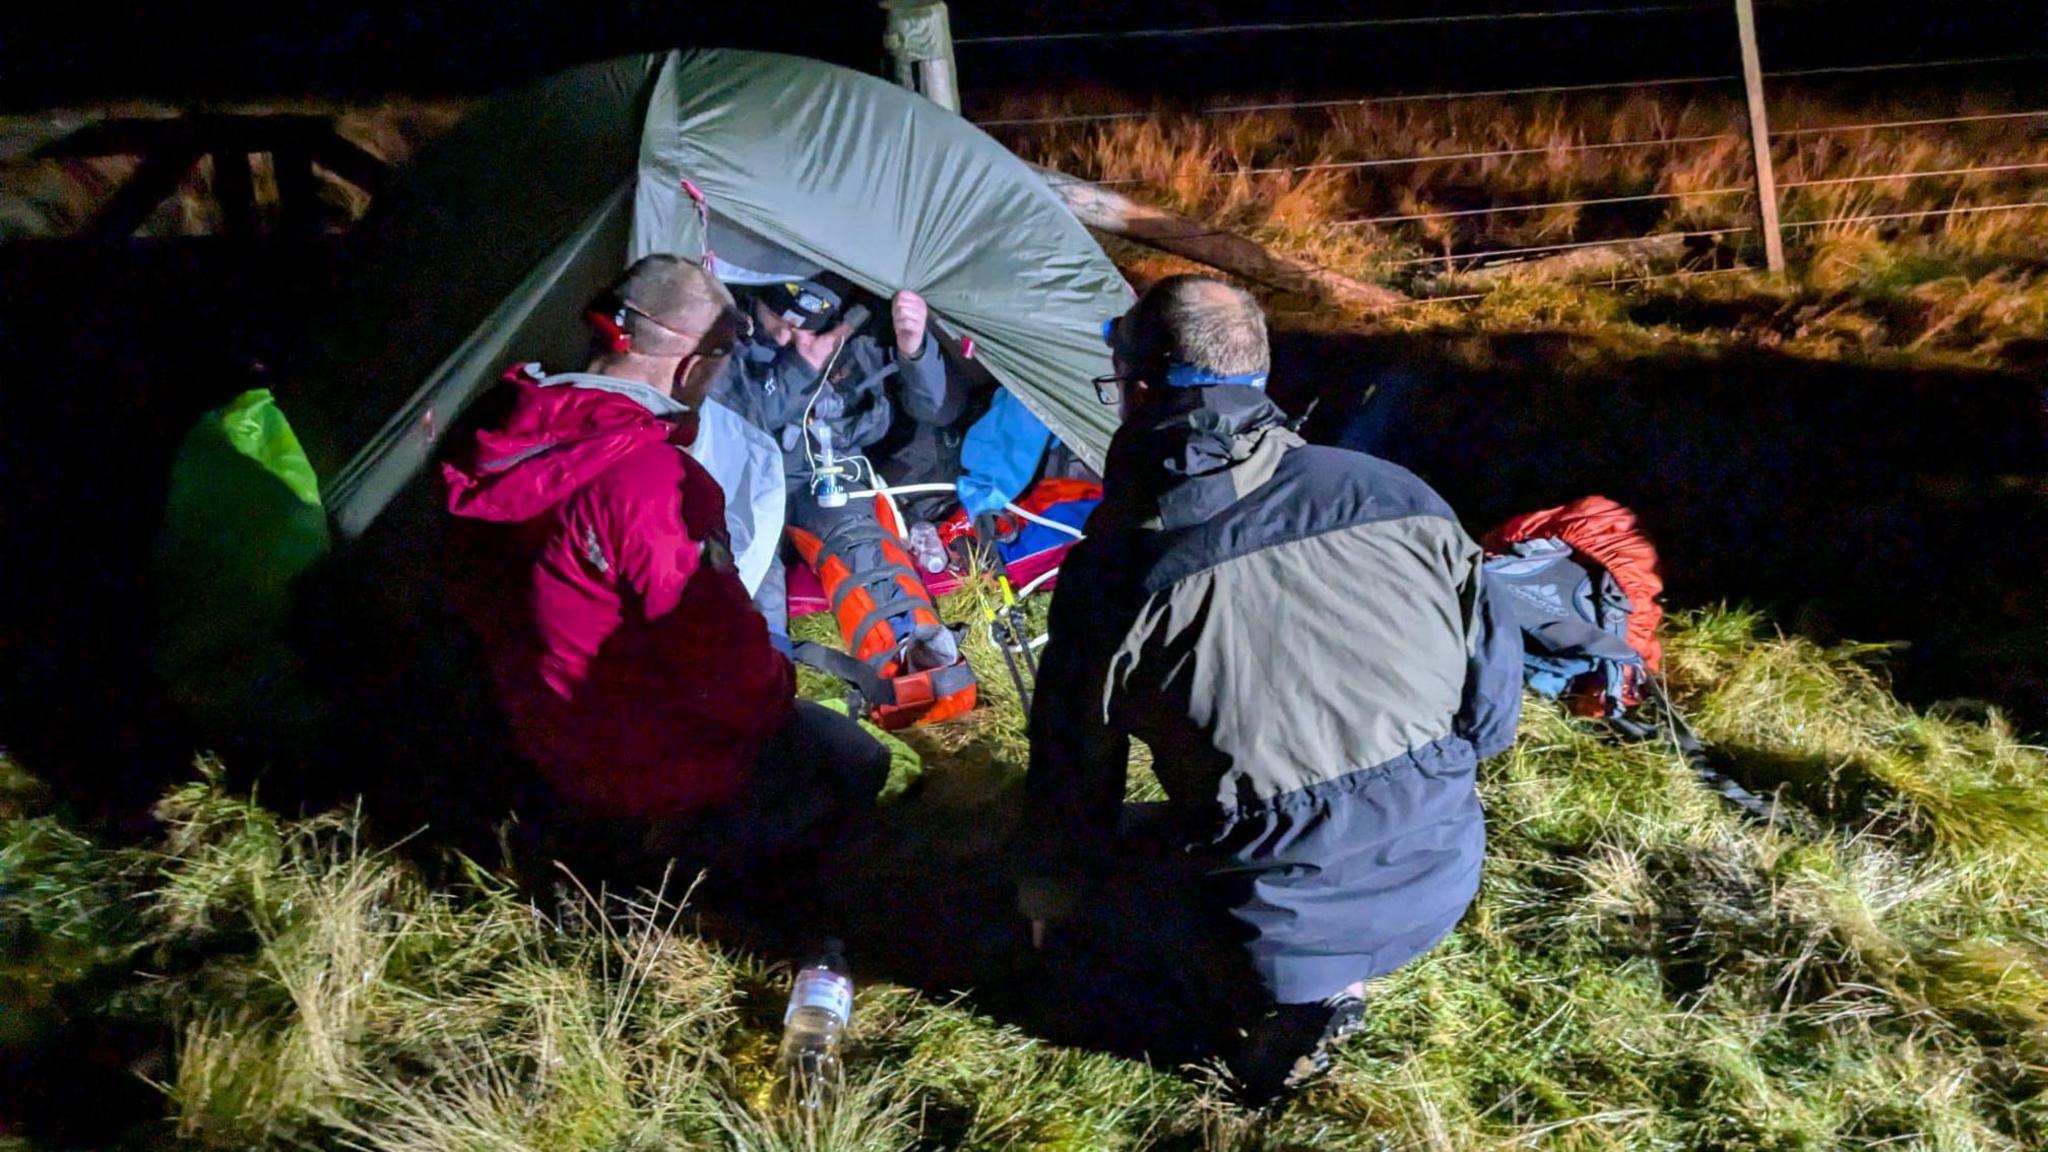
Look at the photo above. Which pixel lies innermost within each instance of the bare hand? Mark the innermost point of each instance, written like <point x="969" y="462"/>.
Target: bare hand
<point x="817" y="347"/>
<point x="1037" y="935"/>
<point x="908" y="312"/>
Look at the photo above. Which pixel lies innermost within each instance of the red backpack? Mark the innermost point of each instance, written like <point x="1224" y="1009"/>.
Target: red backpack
<point x="1584" y="584"/>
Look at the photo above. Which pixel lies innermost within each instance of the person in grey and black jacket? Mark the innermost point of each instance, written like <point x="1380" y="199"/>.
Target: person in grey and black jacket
<point x="1303" y="638"/>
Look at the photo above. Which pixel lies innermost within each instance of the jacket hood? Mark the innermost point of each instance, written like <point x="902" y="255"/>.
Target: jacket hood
<point x="1193" y="454"/>
<point x="542" y="443"/>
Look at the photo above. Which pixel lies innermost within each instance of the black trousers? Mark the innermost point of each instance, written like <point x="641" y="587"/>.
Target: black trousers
<point x="813" y="783"/>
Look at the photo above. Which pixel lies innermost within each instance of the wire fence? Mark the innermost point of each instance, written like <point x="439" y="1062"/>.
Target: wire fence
<point x="1804" y="181"/>
<point x="1526" y="90"/>
<point x="1450" y="157"/>
<point x="1499" y="253"/>
<point x="1607" y="282"/>
<point x="1547" y="205"/>
<point x="1325" y="25"/>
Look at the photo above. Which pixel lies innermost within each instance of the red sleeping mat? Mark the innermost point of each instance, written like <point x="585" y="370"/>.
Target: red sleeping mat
<point x="807" y="596"/>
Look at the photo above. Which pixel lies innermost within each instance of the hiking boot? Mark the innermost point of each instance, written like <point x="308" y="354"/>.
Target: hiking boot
<point x="1290" y="1046"/>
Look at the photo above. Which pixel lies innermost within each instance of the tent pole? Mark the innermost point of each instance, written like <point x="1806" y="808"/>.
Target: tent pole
<point x="919" y="38"/>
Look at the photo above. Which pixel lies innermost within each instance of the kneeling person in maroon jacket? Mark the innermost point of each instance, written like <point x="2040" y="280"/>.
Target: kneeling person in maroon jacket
<point x="590" y="555"/>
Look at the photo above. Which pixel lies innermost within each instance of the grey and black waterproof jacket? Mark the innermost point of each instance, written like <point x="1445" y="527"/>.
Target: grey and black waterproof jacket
<point x="1303" y="637"/>
<point x="770" y="387"/>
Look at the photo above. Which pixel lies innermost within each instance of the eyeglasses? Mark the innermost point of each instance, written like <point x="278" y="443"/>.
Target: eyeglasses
<point x="742" y="326"/>
<point x="724" y="337"/>
<point x="1109" y="389"/>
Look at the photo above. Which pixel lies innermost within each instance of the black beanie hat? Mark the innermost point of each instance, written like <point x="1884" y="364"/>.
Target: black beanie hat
<point x="812" y="305"/>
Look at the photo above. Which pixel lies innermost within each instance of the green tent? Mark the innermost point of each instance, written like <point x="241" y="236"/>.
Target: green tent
<point x="498" y="235"/>
<point x="505" y="228"/>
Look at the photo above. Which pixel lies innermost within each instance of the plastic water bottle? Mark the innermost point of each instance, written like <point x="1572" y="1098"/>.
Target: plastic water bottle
<point x="820" y="1004"/>
<point x="925" y="545"/>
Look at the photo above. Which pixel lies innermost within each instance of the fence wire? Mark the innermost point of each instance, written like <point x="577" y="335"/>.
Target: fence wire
<point x="1878" y="177"/>
<point x="1716" y="233"/>
<point x="1362" y="101"/>
<point x="1680" y="274"/>
<point x="1587" y="203"/>
<point x="1791" y="133"/>
<point x="1929" y="123"/>
<point x="1922" y="214"/>
<point x="1322" y="25"/>
<point x="1443" y="157"/>
<point x="1533" y="90"/>
<point x="1859" y="69"/>
<point x="1488" y="154"/>
<point x="1669" y="141"/>
<point x="1568" y="247"/>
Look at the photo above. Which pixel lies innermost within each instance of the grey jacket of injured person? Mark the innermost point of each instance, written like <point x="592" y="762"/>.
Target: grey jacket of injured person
<point x="1303" y="637"/>
<point x="771" y="386"/>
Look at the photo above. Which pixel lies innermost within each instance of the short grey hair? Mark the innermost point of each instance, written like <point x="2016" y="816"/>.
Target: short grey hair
<point x="678" y="294"/>
<point x="1204" y="322"/>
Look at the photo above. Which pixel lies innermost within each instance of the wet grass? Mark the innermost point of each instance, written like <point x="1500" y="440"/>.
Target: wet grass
<point x="1642" y="970"/>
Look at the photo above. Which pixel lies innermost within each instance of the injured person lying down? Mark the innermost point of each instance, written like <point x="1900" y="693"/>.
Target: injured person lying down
<point x="864" y="409"/>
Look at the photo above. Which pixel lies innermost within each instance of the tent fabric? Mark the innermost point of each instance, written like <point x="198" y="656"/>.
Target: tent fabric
<point x="498" y="234"/>
<point x="861" y="176"/>
<point x="483" y="255"/>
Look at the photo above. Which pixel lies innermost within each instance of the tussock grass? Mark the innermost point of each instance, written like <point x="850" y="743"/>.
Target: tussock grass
<point x="1966" y="286"/>
<point x="1642" y="970"/>
<point x="1228" y="168"/>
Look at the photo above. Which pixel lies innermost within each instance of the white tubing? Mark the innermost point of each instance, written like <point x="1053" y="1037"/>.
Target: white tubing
<point x="1041" y="578"/>
<point x="1042" y="522"/>
<point x="899" y="490"/>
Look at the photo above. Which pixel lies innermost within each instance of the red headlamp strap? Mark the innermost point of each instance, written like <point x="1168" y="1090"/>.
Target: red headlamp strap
<point x="611" y="328"/>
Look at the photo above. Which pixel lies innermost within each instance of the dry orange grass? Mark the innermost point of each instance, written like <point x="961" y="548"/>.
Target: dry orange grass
<point x="1222" y="167"/>
<point x="1966" y="285"/>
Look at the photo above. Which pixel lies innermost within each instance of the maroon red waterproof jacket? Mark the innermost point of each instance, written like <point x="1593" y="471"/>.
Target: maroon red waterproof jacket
<point x="590" y="556"/>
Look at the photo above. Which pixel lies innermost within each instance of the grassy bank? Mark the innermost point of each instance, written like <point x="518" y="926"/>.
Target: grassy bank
<point x="1642" y="969"/>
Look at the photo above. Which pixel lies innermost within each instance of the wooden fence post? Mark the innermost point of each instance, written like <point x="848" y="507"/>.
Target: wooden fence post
<point x="1760" y="138"/>
<point x="919" y="37"/>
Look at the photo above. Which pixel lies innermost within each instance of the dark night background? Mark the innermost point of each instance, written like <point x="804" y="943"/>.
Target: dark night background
<point x="51" y="54"/>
